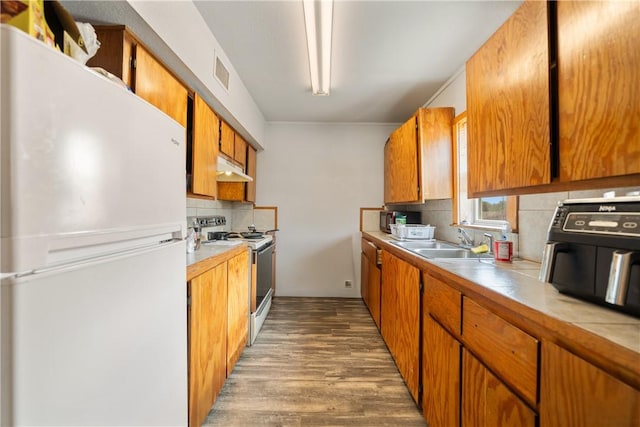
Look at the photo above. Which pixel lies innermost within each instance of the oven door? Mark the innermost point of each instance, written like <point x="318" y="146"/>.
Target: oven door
<point x="263" y="274"/>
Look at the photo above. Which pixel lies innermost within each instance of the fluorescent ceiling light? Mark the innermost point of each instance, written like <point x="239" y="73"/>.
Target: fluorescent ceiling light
<point x="318" y="20"/>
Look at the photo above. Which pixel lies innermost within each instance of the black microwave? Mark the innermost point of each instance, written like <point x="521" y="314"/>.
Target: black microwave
<point x="389" y="217"/>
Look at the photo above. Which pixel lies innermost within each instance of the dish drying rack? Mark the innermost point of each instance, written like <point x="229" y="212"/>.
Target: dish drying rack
<point x="412" y="232"/>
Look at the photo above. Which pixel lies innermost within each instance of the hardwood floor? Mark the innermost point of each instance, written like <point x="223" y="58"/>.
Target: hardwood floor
<point x="316" y="362"/>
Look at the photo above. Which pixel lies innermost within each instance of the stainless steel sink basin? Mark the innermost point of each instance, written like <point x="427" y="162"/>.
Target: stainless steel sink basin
<point x="424" y="244"/>
<point x="437" y="249"/>
<point x="451" y="253"/>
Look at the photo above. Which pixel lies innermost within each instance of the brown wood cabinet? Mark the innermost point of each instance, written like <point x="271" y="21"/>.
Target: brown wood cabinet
<point x="370" y="280"/>
<point x="492" y="382"/>
<point x="417" y="158"/>
<point x="508" y="351"/>
<point x="207" y="341"/>
<point x="599" y="89"/>
<point x="400" y="317"/>
<point x="534" y="129"/>
<point x="227" y="139"/>
<point x="508" y="119"/>
<point x="122" y="54"/>
<point x="237" y="308"/>
<point x="487" y="401"/>
<point x="218" y="322"/>
<point x="252" y="167"/>
<point x="576" y="393"/>
<point x="489" y="361"/>
<point x="441" y="363"/>
<point x="206" y="133"/>
<point x="241" y="191"/>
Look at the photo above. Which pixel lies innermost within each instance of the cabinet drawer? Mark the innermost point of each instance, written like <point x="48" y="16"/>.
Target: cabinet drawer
<point x="444" y="303"/>
<point x="506" y="350"/>
<point x="370" y="251"/>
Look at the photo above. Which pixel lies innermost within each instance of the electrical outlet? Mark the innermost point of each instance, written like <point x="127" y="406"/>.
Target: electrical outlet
<point x="348" y="284"/>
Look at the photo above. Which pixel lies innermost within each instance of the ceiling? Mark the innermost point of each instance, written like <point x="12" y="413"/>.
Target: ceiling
<point x="388" y="58"/>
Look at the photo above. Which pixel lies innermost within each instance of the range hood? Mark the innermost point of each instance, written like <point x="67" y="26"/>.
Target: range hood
<point x="228" y="172"/>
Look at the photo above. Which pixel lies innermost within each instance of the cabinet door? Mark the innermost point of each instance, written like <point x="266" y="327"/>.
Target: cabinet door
<point x="237" y="308"/>
<point x="374" y="292"/>
<point x="227" y="139"/>
<point x="508" y="105"/>
<point x="155" y="84"/>
<point x="441" y="375"/>
<point x="435" y="134"/>
<point x="400" y="318"/>
<point x="599" y="88"/>
<point x="207" y="341"/>
<point x="250" y="190"/>
<point x="487" y="402"/>
<point x="240" y="151"/>
<point x="575" y="393"/>
<point x="116" y="52"/>
<point x="401" y="177"/>
<point x="205" y="148"/>
<point x="364" y="279"/>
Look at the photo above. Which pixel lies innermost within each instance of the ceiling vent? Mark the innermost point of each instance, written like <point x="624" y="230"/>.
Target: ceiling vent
<point x="221" y="73"/>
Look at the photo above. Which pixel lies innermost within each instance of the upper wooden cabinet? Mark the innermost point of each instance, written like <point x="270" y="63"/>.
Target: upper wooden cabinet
<point x="241" y="191"/>
<point x="227" y="139"/>
<point x="122" y="54"/>
<point x="206" y="133"/>
<point x="417" y="158"/>
<point x="250" y="189"/>
<point x="508" y="119"/>
<point x="233" y="145"/>
<point x="240" y="151"/>
<point x="545" y="112"/>
<point x="599" y="89"/>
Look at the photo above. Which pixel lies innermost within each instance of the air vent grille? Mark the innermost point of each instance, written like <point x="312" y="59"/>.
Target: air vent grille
<point x="221" y="73"/>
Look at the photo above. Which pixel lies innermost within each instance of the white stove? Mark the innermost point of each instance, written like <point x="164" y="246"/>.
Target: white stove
<point x="261" y="246"/>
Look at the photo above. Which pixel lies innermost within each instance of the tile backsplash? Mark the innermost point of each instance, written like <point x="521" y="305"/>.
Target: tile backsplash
<point x="534" y="214"/>
<point x="239" y="215"/>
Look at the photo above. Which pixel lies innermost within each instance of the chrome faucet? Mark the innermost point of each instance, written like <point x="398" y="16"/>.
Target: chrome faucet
<point x="489" y="237"/>
<point x="465" y="240"/>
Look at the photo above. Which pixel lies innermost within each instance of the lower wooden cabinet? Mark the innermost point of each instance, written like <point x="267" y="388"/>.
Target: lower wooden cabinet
<point x="207" y="341"/>
<point x="576" y="393"/>
<point x="218" y="322"/>
<point x="370" y="280"/>
<point x="400" y="317"/>
<point x="237" y="308"/>
<point x="440" y="375"/>
<point x="487" y="401"/>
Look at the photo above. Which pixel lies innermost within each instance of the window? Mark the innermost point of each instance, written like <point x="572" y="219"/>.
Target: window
<point x="484" y="212"/>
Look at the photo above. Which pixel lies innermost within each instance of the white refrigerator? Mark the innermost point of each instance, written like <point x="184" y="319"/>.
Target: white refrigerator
<point x="93" y="218"/>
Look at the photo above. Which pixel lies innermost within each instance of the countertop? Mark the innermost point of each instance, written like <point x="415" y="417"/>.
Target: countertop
<point x="209" y="256"/>
<point x="599" y="334"/>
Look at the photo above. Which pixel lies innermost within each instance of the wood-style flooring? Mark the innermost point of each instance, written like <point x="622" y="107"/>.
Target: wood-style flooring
<point x="316" y="362"/>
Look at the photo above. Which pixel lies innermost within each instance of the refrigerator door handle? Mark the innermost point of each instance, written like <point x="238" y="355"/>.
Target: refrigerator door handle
<point x="73" y="265"/>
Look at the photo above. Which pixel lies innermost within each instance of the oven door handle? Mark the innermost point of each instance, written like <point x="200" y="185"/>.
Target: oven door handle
<point x="266" y="248"/>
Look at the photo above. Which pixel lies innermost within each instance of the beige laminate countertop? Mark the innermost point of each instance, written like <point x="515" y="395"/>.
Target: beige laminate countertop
<point x="209" y="256"/>
<point x="601" y="335"/>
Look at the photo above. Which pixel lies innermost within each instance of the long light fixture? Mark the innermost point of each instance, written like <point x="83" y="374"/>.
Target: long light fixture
<point x="318" y="20"/>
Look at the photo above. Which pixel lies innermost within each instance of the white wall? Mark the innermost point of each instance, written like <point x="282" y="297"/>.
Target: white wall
<point x="319" y="176"/>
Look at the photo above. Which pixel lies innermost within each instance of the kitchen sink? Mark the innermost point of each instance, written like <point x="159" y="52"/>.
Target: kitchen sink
<point x="451" y="253"/>
<point x="424" y="244"/>
<point x="437" y="249"/>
